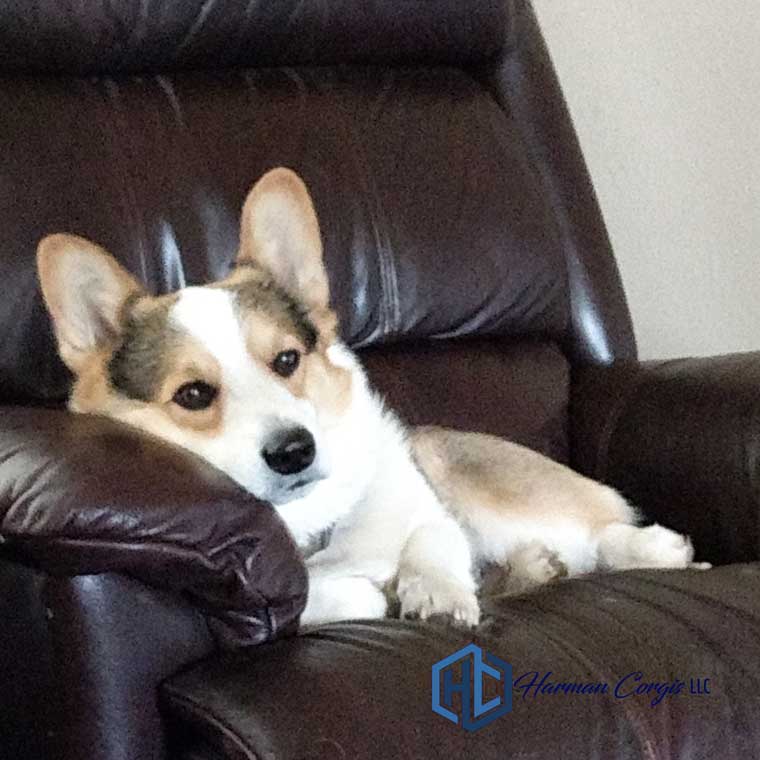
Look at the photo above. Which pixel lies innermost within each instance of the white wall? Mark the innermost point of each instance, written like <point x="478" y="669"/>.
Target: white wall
<point x="665" y="96"/>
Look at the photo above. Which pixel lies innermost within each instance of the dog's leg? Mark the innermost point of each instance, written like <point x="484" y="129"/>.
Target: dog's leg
<point x="527" y="567"/>
<point x="435" y="574"/>
<point x="334" y="598"/>
<point x="346" y="585"/>
<point x="626" y="547"/>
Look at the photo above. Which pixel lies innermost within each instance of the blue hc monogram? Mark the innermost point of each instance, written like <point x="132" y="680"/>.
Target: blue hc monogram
<point x="476" y="665"/>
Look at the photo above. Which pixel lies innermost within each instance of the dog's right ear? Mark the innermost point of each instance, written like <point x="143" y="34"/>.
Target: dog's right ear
<point x="279" y="231"/>
<point x="84" y="290"/>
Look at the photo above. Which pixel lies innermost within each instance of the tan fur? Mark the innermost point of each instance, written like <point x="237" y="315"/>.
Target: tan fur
<point x="265" y="338"/>
<point x="190" y="362"/>
<point x="150" y="304"/>
<point x="329" y="387"/>
<point x="474" y="473"/>
<point x="92" y="393"/>
<point x="316" y="378"/>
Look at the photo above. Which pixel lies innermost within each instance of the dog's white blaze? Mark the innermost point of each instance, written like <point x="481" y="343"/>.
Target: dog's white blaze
<point x="209" y="316"/>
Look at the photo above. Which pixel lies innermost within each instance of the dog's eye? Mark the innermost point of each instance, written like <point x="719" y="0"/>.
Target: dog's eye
<point x="286" y="362"/>
<point x="195" y="396"/>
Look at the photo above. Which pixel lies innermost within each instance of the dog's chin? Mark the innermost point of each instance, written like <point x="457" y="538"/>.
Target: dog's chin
<point x="287" y="492"/>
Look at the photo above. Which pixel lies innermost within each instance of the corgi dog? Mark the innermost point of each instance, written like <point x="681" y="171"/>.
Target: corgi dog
<point x="249" y="373"/>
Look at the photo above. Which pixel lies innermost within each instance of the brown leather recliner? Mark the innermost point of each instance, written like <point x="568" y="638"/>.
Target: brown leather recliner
<point x="148" y="606"/>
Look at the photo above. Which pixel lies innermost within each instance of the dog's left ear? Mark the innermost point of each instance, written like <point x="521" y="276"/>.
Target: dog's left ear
<point x="84" y="290"/>
<point x="279" y="232"/>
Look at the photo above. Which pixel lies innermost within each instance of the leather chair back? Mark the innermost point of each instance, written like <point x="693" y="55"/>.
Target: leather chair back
<point x="453" y="198"/>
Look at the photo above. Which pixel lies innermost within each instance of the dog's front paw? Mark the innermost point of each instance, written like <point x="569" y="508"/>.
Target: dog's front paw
<point x="333" y="599"/>
<point x="423" y="598"/>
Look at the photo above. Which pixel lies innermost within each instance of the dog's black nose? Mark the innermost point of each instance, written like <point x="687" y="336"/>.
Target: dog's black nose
<point x="290" y="451"/>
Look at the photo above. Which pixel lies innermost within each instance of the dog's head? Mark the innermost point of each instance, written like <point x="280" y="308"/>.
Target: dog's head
<point x="245" y="372"/>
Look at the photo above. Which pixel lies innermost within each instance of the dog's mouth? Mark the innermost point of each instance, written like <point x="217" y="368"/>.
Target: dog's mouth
<point x="296" y="489"/>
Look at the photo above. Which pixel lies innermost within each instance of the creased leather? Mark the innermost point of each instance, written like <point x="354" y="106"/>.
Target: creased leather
<point x="367" y="687"/>
<point x="83" y="495"/>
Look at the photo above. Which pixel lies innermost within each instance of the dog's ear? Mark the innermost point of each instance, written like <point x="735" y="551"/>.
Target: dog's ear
<point x="84" y="290"/>
<point x="279" y="232"/>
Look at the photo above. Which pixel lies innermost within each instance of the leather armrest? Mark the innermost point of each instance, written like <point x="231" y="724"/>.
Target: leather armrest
<point x="363" y="690"/>
<point x="83" y="495"/>
<point x="681" y="440"/>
